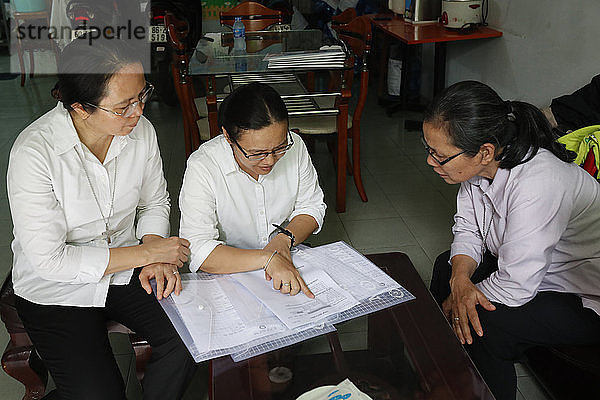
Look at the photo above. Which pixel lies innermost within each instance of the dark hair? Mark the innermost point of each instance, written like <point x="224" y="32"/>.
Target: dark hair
<point x="85" y="69"/>
<point x="473" y="114"/>
<point x="252" y="106"/>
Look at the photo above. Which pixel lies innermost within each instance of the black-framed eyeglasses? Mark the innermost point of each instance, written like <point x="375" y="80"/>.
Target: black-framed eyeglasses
<point x="129" y="110"/>
<point x="431" y="153"/>
<point x="277" y="152"/>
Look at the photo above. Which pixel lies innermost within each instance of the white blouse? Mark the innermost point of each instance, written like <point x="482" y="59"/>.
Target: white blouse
<point x="60" y="255"/>
<point x="542" y="220"/>
<point x="222" y="204"/>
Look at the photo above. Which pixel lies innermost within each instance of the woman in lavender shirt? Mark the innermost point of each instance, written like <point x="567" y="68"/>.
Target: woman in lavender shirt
<point x="524" y="265"/>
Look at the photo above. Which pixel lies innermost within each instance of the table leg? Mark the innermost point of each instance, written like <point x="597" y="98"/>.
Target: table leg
<point x="211" y="105"/>
<point x="310" y="81"/>
<point x="439" y="67"/>
<point x="342" y="145"/>
<point x="337" y="353"/>
<point x="384" y="50"/>
<point x="185" y="92"/>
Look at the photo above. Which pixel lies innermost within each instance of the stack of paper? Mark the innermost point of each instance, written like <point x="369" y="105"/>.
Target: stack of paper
<point x="325" y="57"/>
<point x="241" y="314"/>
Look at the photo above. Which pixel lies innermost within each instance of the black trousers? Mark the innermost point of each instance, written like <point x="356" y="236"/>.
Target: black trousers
<point x="550" y="318"/>
<point x="73" y="344"/>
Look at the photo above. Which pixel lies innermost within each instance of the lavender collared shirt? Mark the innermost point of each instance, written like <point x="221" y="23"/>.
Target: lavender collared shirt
<point x="542" y="220"/>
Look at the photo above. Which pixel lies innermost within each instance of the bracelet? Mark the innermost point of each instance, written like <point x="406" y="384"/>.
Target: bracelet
<point x="269" y="260"/>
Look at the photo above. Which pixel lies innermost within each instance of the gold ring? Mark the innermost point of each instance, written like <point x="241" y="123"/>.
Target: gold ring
<point x="285" y="284"/>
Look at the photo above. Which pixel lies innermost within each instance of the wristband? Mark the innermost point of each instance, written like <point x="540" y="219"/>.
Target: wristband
<point x="269" y="260"/>
<point x="287" y="233"/>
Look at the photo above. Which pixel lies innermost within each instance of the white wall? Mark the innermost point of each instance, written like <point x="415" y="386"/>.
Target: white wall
<point x="548" y="48"/>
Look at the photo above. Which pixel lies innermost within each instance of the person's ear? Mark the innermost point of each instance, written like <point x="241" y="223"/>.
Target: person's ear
<point x="226" y="135"/>
<point x="488" y="153"/>
<point x="80" y="111"/>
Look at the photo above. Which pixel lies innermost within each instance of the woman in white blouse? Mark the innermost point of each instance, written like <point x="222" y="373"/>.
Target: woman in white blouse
<point x="240" y="184"/>
<point x="524" y="266"/>
<point x="85" y="185"/>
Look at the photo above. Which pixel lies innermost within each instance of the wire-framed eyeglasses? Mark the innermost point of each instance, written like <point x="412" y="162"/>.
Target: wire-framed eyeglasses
<point x="129" y="110"/>
<point x="431" y="153"/>
<point x="277" y="152"/>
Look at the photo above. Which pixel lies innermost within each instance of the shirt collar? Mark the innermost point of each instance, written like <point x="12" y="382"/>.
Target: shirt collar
<point x="494" y="190"/>
<point x="65" y="136"/>
<point x="229" y="164"/>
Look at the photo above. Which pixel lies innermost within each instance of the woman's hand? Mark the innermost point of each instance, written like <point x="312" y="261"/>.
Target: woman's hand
<point x="281" y="244"/>
<point x="171" y="250"/>
<point x="286" y="277"/>
<point x="460" y="309"/>
<point x="162" y="273"/>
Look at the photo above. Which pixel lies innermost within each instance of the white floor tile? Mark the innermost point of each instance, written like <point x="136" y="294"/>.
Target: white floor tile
<point x="433" y="245"/>
<point x="435" y="224"/>
<point x="530" y="389"/>
<point x="378" y="233"/>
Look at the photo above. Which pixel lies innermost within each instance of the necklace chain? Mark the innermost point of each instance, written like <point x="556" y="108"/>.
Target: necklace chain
<point x="486" y="232"/>
<point x="106" y="219"/>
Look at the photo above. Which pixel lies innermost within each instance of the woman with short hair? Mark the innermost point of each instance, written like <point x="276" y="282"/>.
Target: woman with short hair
<point x="524" y="266"/>
<point x="85" y="185"/>
<point x="252" y="193"/>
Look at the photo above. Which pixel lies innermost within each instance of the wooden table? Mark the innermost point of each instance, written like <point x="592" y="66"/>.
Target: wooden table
<point x="394" y="27"/>
<point x="411" y="351"/>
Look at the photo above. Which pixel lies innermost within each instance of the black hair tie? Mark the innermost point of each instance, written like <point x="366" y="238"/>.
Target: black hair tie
<point x="510" y="113"/>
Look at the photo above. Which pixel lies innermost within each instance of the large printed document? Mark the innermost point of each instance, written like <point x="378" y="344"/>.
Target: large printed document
<point x="299" y="310"/>
<point x="242" y="315"/>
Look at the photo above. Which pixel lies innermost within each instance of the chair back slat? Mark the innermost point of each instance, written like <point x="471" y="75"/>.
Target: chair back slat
<point x="348" y="15"/>
<point x="356" y="34"/>
<point x="255" y="16"/>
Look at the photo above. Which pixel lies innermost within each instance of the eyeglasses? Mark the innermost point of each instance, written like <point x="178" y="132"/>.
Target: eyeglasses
<point x="129" y="110"/>
<point x="277" y="152"/>
<point x="431" y="153"/>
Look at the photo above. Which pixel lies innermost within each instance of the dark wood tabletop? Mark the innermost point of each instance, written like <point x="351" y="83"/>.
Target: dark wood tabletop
<point x="435" y="32"/>
<point x="412" y="353"/>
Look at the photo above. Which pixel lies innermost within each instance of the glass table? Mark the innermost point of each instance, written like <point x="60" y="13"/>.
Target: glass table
<point x="214" y="56"/>
<point x="213" y="59"/>
<point x="410" y="352"/>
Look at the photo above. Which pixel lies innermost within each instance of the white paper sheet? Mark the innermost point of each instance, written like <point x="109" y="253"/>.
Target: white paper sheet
<point x="350" y="269"/>
<point x="241" y="314"/>
<point x="215" y="323"/>
<point x="299" y="310"/>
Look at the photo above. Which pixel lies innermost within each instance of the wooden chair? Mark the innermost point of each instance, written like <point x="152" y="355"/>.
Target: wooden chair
<point x="177" y="31"/>
<point x="341" y="19"/>
<point x="255" y="16"/>
<point x="357" y="37"/>
<point x="566" y="372"/>
<point x="20" y="360"/>
<point x="24" y="16"/>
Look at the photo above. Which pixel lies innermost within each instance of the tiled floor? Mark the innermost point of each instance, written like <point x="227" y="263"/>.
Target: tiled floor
<point x="409" y="209"/>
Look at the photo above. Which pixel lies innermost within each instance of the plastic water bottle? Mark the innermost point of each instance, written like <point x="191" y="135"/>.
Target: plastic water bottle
<point x="239" y="36"/>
